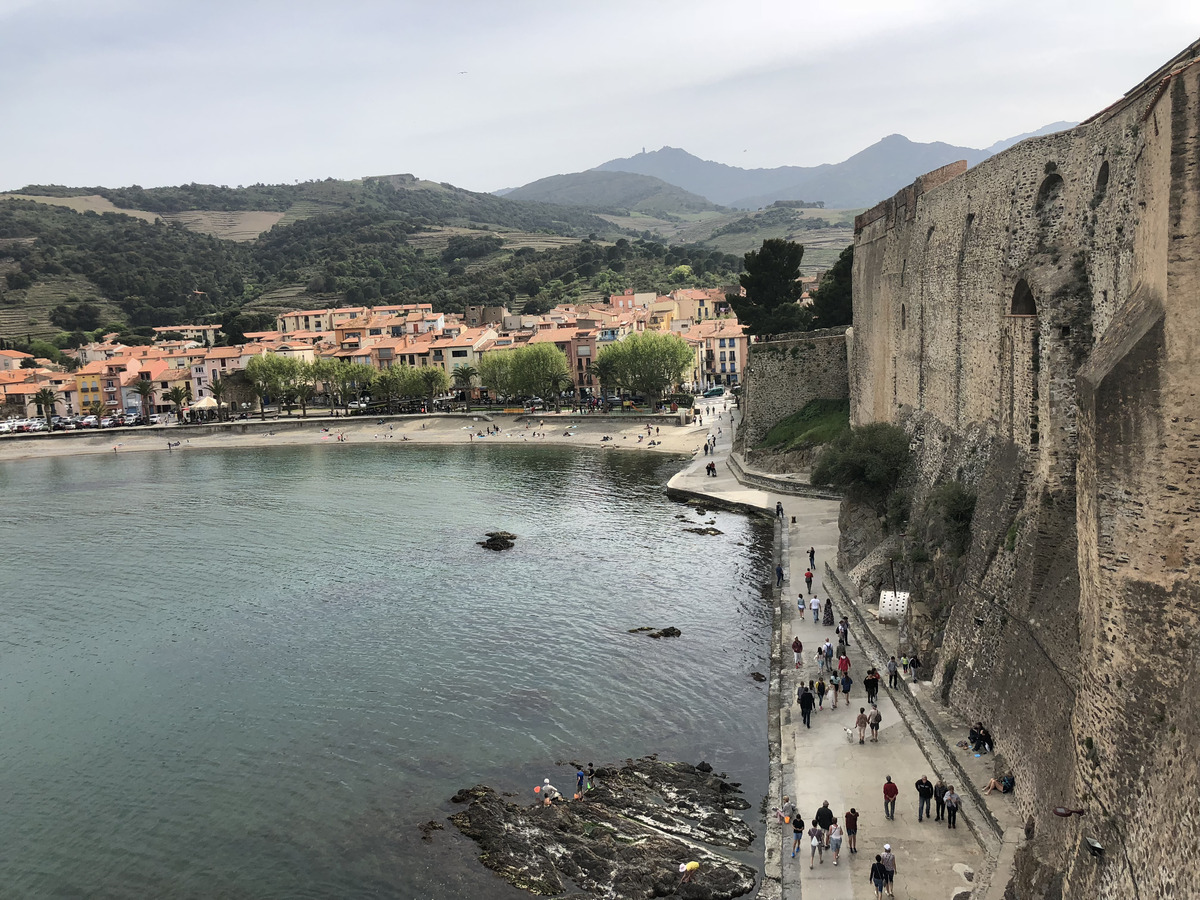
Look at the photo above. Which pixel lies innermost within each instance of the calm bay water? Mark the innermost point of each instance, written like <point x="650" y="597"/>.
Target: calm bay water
<point x="253" y="673"/>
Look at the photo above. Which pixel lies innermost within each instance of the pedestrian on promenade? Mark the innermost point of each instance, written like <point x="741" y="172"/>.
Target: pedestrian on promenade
<point x="786" y="811"/>
<point x="820" y="659"/>
<point x="800" y="604"/>
<point x="797" y="834"/>
<point x="892" y="669"/>
<point x="812" y="558"/>
<point x="861" y="723"/>
<point x="835" y="685"/>
<point x="808" y="577"/>
<point x="878" y="876"/>
<point x="939" y="800"/>
<point x="889" y="864"/>
<point x="797" y="649"/>
<point x="904" y="665"/>
<point x="915" y="665"/>
<point x="817" y="843"/>
<point x="851" y="820"/>
<point x="815" y="605"/>
<point x="843" y="664"/>
<point x="779" y="509"/>
<point x="871" y="683"/>
<point x="806" y="704"/>
<point x="825" y="820"/>
<point x="890" y="792"/>
<point x="828" y="618"/>
<point x="779" y="576"/>
<point x="835" y="840"/>
<point x="847" y="681"/>
<point x="821" y="690"/>
<point x="924" y="797"/>
<point x="873" y="719"/>
<point x="953" y="802"/>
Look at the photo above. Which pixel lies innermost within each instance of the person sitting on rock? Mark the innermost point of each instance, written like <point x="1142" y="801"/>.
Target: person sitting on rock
<point x="1004" y="784"/>
<point x="549" y="793"/>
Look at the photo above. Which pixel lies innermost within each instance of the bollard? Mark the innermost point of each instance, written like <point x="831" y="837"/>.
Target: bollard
<point x="793" y="520"/>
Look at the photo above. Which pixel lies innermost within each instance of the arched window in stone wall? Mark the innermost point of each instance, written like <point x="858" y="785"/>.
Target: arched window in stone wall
<point x="1023" y="302"/>
<point x="1049" y="206"/>
<point x="1101" y="184"/>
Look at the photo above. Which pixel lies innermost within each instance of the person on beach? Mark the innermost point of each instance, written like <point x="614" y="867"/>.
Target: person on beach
<point x="797" y="649"/>
<point x="817" y="842"/>
<point x="835" y="685"/>
<point x="878" y="876"/>
<point x="815" y="605"/>
<point x="851" y="820"/>
<point x="821" y="689"/>
<point x="873" y="719"/>
<point x="861" y="724"/>
<point x="805" y="698"/>
<point x="549" y="793"/>
<point x="889" y="864"/>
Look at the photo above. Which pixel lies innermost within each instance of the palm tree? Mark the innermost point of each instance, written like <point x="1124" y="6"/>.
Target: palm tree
<point x="559" y="382"/>
<point x="96" y="408"/>
<point x="146" y="390"/>
<point x="464" y="378"/>
<point x="219" y="388"/>
<point x="434" y="380"/>
<point x="45" y="399"/>
<point x="178" y="396"/>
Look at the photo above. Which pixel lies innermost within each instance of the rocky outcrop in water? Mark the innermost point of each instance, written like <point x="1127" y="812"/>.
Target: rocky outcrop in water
<point x="498" y="540"/>
<point x="669" y="631"/>
<point x="626" y="839"/>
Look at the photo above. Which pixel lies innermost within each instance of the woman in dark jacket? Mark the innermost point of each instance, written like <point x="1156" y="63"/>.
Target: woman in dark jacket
<point x="878" y="876"/>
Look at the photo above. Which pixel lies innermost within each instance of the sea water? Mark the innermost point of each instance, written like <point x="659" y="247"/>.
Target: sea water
<point x="254" y="673"/>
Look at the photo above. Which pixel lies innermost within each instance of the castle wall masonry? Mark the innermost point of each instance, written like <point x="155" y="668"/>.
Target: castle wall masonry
<point x="1034" y="322"/>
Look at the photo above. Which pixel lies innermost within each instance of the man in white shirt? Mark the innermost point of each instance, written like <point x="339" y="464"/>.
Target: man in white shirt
<point x="815" y="605"/>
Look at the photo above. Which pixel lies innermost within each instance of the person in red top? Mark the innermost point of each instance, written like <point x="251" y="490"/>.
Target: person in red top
<point x="843" y="664"/>
<point x="851" y="820"/>
<point x="797" y="649"/>
<point x="890" y="792"/>
<point x="808" y="577"/>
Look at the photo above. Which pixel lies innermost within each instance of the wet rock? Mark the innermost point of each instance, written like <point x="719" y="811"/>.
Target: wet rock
<point x="626" y="839"/>
<point x="428" y="828"/>
<point x="758" y="676"/>
<point x="669" y="631"/>
<point x="706" y="531"/>
<point x="498" y="540"/>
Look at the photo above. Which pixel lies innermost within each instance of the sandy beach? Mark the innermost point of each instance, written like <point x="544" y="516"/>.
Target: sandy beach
<point x="563" y="428"/>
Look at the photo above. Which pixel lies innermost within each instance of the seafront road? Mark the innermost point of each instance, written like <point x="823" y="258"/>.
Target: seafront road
<point x="818" y="763"/>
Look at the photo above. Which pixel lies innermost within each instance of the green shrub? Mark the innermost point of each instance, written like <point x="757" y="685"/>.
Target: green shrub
<point x="953" y="506"/>
<point x="867" y="463"/>
<point x="819" y="422"/>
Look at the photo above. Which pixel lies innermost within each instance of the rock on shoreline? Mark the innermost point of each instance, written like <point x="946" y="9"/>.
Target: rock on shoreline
<point x="627" y="839"/>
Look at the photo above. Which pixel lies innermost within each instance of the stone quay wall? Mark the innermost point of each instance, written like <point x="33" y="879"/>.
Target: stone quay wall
<point x="1033" y="323"/>
<point x="784" y="374"/>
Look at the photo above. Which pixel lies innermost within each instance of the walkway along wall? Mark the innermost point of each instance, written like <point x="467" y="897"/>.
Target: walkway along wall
<point x="1034" y="323"/>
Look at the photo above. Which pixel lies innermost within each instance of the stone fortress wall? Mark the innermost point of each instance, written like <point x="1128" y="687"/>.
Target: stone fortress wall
<point x="1034" y="323"/>
<point x="784" y="374"/>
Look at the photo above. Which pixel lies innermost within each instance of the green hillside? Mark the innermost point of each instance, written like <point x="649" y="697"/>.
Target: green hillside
<point x="613" y="192"/>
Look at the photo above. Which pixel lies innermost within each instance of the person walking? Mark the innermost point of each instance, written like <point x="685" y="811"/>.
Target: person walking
<point x="779" y="509"/>
<point x="890" y="792"/>
<point x="889" y="864"/>
<point x="847" y="681"/>
<point x="827" y="619"/>
<point x="835" y="685"/>
<point x="904" y="665"/>
<point x="871" y="683"/>
<point x="873" y="719"/>
<point x="915" y="665"/>
<point x="835" y="840"/>
<point x="843" y="664"/>
<point x="851" y="820"/>
<point x="878" y="876"/>
<point x="812" y="558"/>
<point x="825" y="820"/>
<point x="892" y="668"/>
<point x="953" y="802"/>
<point x="817" y="843"/>
<point x="821" y="690"/>
<point x="861" y="723"/>
<point x="808" y="577"/>
<point x="779" y="576"/>
<point x="806" y="705"/>
<point x="924" y="797"/>
<point x="797" y="649"/>
<point x="797" y="834"/>
<point x="939" y="800"/>
<point x="815" y="605"/>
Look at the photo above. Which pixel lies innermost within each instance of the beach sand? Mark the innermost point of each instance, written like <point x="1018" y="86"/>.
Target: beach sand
<point x="564" y="428"/>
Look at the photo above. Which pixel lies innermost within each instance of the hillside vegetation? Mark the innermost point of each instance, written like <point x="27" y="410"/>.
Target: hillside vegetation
<point x="614" y="192"/>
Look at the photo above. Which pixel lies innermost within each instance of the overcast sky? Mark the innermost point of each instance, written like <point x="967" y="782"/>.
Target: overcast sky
<point x="495" y="94"/>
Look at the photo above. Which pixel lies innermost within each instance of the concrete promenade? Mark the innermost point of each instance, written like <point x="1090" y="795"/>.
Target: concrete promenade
<point x="818" y="764"/>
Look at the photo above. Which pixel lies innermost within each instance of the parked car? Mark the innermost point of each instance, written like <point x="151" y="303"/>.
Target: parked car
<point x="717" y="391"/>
<point x="156" y="419"/>
<point x="90" y="422"/>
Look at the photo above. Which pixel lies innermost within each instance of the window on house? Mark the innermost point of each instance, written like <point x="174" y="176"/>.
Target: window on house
<point x="459" y="354"/>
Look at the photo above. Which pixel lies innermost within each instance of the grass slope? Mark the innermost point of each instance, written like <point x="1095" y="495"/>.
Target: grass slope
<point x="819" y="422"/>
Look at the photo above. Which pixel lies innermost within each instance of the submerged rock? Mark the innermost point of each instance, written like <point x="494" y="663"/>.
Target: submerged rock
<point x="626" y="839"/>
<point x="669" y="631"/>
<point x="709" y="531"/>
<point x="498" y="540"/>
